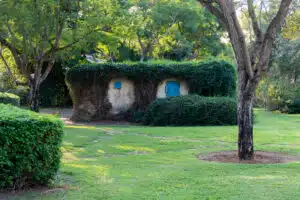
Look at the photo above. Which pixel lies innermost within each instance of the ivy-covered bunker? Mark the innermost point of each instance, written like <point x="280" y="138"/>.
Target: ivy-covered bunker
<point x="114" y="90"/>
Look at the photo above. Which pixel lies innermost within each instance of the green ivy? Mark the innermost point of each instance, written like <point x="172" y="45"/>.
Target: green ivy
<point x="208" y="78"/>
<point x="192" y="110"/>
<point x="8" y="98"/>
<point x="30" y="147"/>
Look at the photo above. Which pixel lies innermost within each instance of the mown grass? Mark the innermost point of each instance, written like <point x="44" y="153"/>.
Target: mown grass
<point x="136" y="163"/>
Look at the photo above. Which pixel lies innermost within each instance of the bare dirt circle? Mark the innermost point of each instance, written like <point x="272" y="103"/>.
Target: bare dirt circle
<point x="260" y="157"/>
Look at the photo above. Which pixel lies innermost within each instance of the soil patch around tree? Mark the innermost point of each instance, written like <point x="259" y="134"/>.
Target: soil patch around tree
<point x="260" y="157"/>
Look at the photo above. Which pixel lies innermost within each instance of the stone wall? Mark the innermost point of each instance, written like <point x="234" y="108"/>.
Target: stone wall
<point x="123" y="98"/>
<point x="101" y="100"/>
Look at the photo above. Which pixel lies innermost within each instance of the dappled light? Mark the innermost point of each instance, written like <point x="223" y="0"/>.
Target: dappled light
<point x="148" y="158"/>
<point x="81" y="127"/>
<point x="100" y="151"/>
<point x="135" y="148"/>
<point x="150" y="100"/>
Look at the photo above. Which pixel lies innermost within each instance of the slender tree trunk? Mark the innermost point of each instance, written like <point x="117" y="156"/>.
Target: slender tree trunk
<point x="35" y="82"/>
<point x="34" y="95"/>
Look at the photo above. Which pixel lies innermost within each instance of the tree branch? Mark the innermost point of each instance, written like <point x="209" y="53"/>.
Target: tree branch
<point x="56" y="49"/>
<point x="15" y="52"/>
<point x="208" y="4"/>
<point x="253" y="17"/>
<point x="270" y="35"/>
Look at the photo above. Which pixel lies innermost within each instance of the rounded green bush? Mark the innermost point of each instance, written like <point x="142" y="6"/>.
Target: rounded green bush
<point x="192" y="110"/>
<point x="30" y="147"/>
<point x="8" y="98"/>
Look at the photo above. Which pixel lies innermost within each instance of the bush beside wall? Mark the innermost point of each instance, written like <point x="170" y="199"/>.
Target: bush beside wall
<point x="192" y="110"/>
<point x="30" y="147"/>
<point x="8" y="98"/>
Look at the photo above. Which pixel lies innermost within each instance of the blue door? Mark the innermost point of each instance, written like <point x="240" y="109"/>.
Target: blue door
<point x="172" y="89"/>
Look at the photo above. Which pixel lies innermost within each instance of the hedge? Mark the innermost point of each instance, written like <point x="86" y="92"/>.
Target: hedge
<point x="30" y="147"/>
<point x="208" y="78"/>
<point x="192" y="110"/>
<point x="8" y="98"/>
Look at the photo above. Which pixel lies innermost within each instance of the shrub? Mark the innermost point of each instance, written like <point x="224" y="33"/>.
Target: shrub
<point x="30" y="147"/>
<point x="278" y="95"/>
<point x="8" y="98"/>
<point x="135" y="116"/>
<point x="192" y="110"/>
<point x="22" y="92"/>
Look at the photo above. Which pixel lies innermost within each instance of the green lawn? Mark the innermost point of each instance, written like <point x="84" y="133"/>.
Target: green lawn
<point x="136" y="163"/>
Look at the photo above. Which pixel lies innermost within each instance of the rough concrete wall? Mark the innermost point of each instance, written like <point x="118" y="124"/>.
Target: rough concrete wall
<point x="89" y="101"/>
<point x="121" y="99"/>
<point x="161" y="89"/>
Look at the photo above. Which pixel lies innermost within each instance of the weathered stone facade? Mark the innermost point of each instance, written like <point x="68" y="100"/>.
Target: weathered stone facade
<point x="105" y="101"/>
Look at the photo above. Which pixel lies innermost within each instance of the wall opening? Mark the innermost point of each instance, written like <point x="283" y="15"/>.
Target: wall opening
<point x="172" y="89"/>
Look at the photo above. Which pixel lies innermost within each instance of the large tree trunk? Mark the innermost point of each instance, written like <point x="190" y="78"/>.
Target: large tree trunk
<point x="245" y="118"/>
<point x="246" y="90"/>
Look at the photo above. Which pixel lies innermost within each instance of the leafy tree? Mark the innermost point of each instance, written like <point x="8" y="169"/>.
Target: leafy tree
<point x="35" y="31"/>
<point x="168" y="28"/>
<point x="252" y="64"/>
<point x="292" y="26"/>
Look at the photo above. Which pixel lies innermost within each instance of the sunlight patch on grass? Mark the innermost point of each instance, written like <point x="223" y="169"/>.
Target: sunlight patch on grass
<point x="133" y="148"/>
<point x="64" y="143"/>
<point x="100" y="151"/>
<point x="78" y="166"/>
<point x="179" y="139"/>
<point x="68" y="156"/>
<point x="81" y="127"/>
<point x="67" y="148"/>
<point x="99" y="173"/>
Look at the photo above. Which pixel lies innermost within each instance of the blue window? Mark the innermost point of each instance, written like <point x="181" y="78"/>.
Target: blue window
<point x="118" y="85"/>
<point x="172" y="89"/>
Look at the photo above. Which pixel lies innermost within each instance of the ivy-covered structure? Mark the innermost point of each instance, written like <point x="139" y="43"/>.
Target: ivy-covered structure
<point x="113" y="90"/>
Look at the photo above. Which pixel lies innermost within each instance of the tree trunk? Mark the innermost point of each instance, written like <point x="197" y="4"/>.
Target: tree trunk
<point x="34" y="96"/>
<point x="245" y="116"/>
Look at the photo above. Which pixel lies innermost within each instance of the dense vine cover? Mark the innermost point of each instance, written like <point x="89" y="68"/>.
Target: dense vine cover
<point x="208" y="78"/>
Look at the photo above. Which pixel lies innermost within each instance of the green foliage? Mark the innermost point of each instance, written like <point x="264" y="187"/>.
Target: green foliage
<point x="163" y="29"/>
<point x="278" y="95"/>
<point x="22" y="92"/>
<point x="8" y="98"/>
<point x="192" y="110"/>
<point x="30" y="147"/>
<point x="209" y="78"/>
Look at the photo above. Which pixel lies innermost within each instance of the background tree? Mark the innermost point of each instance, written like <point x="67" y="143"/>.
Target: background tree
<point x="36" y="31"/>
<point x="252" y="63"/>
<point x="167" y="29"/>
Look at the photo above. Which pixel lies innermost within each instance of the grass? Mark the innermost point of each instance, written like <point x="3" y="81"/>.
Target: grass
<point x="136" y="163"/>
